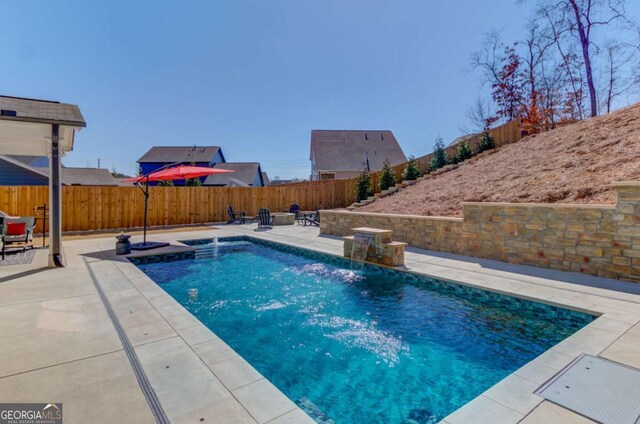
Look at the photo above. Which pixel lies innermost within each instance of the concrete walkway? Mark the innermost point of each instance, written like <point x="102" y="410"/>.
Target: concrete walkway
<point x="59" y="343"/>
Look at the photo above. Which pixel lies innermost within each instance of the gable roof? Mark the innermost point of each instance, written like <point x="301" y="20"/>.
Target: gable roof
<point x="244" y="172"/>
<point x="69" y="176"/>
<point x="171" y="154"/>
<point x="347" y="150"/>
<point x="44" y="172"/>
<point x="37" y="161"/>
<point x="463" y="139"/>
<point x="265" y="179"/>
<point x="88" y="176"/>
<point x="44" y="111"/>
<point x="237" y="183"/>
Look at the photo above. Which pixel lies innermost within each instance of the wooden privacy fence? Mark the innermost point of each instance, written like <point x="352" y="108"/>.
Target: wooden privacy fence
<point x="100" y="208"/>
<point x="508" y="133"/>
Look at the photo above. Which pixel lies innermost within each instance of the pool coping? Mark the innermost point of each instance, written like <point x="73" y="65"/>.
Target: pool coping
<point x="512" y="399"/>
<point x="241" y="380"/>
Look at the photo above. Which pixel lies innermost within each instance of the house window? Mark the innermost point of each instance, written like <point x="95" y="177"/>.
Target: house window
<point x="328" y="176"/>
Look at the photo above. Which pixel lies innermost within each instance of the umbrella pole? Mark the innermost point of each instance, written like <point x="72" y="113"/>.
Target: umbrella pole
<point x="146" y="202"/>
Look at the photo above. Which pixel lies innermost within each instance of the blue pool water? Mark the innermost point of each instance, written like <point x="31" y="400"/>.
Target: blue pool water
<point x="361" y="346"/>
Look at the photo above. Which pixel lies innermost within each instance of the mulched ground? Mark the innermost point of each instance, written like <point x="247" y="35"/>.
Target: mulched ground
<point x="573" y="164"/>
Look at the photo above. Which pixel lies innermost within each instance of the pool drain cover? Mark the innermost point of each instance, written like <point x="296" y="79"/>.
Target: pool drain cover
<point x="605" y="391"/>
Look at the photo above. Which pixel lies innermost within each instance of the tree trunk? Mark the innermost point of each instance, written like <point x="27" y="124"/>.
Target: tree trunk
<point x="584" y="42"/>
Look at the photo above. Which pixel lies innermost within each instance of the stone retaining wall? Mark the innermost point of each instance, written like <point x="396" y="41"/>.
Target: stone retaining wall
<point x="602" y="240"/>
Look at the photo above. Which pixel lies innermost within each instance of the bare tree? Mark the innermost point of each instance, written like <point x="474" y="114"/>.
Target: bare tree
<point x="536" y="45"/>
<point x="479" y="116"/>
<point x="552" y="91"/>
<point x="578" y="19"/>
<point x="500" y="66"/>
<point x="616" y="80"/>
<point x="488" y="59"/>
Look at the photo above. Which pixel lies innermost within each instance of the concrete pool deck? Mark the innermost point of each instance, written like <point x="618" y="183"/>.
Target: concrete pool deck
<point x="60" y="344"/>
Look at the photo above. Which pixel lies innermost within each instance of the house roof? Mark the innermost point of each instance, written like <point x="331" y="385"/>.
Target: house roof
<point x="237" y="183"/>
<point x="123" y="183"/>
<point x="244" y="172"/>
<point x="463" y="139"/>
<point x="279" y="182"/>
<point x="265" y="179"/>
<point x="44" y="111"/>
<point x="39" y="161"/>
<point x="171" y="154"/>
<point x="347" y="150"/>
<point x="88" y="176"/>
<point x="13" y="160"/>
<point x="69" y="176"/>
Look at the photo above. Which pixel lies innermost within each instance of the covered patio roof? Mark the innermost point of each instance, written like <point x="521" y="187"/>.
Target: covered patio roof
<point x="25" y="125"/>
<point x="42" y="127"/>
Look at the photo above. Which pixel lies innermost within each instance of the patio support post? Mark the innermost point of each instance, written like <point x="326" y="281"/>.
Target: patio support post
<point x="56" y="258"/>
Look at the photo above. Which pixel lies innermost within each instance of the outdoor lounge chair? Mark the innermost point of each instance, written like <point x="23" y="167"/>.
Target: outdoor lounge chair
<point x="17" y="231"/>
<point x="295" y="208"/>
<point x="239" y="217"/>
<point x="265" y="219"/>
<point x="313" y="219"/>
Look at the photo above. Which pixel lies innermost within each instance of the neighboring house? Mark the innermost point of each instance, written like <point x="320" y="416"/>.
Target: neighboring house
<point x="37" y="161"/>
<point x="87" y="177"/>
<point x="265" y="179"/>
<point x="280" y="182"/>
<point x="345" y="154"/>
<point x="121" y="182"/>
<point x="159" y="156"/>
<point x="467" y="138"/>
<point x="15" y="172"/>
<point x="246" y="174"/>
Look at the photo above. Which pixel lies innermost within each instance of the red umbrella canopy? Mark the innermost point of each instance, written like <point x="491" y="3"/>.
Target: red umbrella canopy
<point x="181" y="172"/>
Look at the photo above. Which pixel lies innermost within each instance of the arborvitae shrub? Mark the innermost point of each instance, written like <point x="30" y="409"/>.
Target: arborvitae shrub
<point x="387" y="176"/>
<point x="439" y="158"/>
<point x="363" y="186"/>
<point x="463" y="153"/>
<point x="412" y="171"/>
<point x="487" y="142"/>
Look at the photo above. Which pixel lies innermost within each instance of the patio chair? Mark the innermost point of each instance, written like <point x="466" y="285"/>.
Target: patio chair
<point x="17" y="231"/>
<point x="4" y="215"/>
<point x="239" y="217"/>
<point x="295" y="208"/>
<point x="313" y="219"/>
<point x="265" y="219"/>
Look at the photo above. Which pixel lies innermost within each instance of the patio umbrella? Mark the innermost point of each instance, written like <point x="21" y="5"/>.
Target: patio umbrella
<point x="167" y="173"/>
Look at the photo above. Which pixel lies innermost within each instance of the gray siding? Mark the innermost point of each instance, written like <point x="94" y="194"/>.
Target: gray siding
<point x="12" y="175"/>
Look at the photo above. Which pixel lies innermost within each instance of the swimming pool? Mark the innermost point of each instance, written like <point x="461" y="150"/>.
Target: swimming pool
<point x="359" y="345"/>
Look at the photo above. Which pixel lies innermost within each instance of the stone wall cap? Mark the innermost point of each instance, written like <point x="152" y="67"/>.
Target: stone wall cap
<point x="542" y="205"/>
<point x="370" y="230"/>
<point x="626" y="184"/>
<point x="396" y="243"/>
<point x="396" y="215"/>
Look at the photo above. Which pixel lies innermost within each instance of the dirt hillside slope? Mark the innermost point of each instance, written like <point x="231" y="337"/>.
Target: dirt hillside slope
<point x="573" y="164"/>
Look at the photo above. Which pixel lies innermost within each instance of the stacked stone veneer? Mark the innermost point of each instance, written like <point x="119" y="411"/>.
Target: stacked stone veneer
<point x="600" y="240"/>
<point x="382" y="250"/>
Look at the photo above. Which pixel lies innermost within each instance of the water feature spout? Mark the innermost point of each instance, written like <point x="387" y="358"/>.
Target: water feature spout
<point x="360" y="247"/>
<point x="373" y="245"/>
